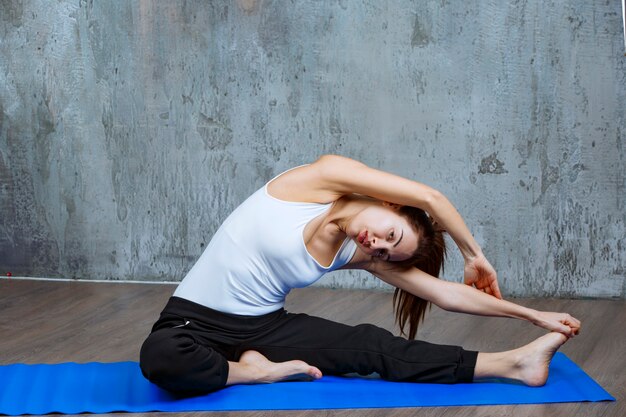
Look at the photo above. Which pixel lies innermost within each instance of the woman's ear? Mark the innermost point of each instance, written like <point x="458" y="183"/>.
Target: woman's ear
<point x="391" y="205"/>
<point x="437" y="227"/>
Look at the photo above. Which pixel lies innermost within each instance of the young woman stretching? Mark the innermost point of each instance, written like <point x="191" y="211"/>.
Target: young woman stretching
<point x="225" y="323"/>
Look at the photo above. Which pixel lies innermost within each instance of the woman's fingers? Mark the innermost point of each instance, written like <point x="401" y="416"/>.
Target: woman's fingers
<point x="573" y="323"/>
<point x="479" y="273"/>
<point x="562" y="327"/>
<point x="559" y="322"/>
<point x="495" y="289"/>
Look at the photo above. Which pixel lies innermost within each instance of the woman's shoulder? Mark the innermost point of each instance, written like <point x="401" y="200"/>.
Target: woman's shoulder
<point x="305" y="183"/>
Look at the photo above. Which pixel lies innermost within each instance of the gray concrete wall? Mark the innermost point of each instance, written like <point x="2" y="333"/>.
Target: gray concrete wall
<point x="130" y="129"/>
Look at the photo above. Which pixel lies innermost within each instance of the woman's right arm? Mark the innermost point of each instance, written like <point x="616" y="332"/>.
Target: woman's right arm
<point x="461" y="298"/>
<point x="339" y="175"/>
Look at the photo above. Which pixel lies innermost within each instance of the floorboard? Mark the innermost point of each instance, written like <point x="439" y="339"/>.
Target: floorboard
<point x="52" y="322"/>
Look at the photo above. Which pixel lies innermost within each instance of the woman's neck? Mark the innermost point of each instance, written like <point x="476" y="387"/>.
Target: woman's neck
<point x="344" y="210"/>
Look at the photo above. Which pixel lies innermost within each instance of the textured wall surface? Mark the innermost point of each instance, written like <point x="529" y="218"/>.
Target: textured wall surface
<point x="130" y="129"/>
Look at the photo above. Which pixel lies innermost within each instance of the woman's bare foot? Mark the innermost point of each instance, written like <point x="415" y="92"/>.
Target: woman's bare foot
<point x="534" y="359"/>
<point x="254" y="368"/>
<point x="528" y="364"/>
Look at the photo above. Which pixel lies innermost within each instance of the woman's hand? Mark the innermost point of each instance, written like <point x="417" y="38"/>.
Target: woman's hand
<point x="557" y="322"/>
<point x="480" y="274"/>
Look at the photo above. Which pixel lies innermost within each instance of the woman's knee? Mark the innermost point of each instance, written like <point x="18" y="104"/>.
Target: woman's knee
<point x="372" y="337"/>
<point x="161" y="355"/>
<point x="176" y="362"/>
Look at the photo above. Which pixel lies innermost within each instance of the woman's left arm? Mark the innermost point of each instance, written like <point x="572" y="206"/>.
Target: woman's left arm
<point x="344" y="175"/>
<point x="461" y="298"/>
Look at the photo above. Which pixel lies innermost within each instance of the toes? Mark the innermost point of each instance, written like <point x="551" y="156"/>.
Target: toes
<point x="314" y="372"/>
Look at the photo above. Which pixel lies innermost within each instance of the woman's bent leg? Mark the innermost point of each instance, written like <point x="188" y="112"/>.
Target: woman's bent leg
<point x="189" y="350"/>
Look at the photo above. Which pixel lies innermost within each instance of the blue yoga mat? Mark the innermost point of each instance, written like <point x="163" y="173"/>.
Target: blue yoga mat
<point x="71" y="388"/>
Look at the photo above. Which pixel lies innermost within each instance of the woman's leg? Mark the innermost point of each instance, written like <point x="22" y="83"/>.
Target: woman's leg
<point x="337" y="349"/>
<point x="173" y="359"/>
<point x="181" y="356"/>
<point x="190" y="346"/>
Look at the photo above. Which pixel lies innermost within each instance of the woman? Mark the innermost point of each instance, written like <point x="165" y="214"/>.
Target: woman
<point x="225" y="323"/>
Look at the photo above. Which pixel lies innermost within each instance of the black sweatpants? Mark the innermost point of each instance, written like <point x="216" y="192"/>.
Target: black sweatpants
<point x="190" y="346"/>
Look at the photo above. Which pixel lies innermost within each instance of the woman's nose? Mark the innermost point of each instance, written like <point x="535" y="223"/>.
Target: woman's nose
<point x="377" y="243"/>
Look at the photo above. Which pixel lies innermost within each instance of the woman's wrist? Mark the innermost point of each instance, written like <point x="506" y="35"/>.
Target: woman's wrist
<point x="531" y="315"/>
<point x="470" y="252"/>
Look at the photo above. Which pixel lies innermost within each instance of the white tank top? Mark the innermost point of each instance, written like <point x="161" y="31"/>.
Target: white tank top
<point x="257" y="256"/>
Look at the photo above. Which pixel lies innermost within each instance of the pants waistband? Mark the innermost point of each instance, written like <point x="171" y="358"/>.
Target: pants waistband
<point x="182" y="307"/>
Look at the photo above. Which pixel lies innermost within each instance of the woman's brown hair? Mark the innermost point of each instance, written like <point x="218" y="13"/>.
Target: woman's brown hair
<point x="429" y="258"/>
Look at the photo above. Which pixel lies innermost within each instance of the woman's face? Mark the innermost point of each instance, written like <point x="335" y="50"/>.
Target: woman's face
<point x="380" y="231"/>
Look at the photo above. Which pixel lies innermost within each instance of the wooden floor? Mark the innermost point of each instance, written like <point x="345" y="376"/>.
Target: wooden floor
<point x="51" y="322"/>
